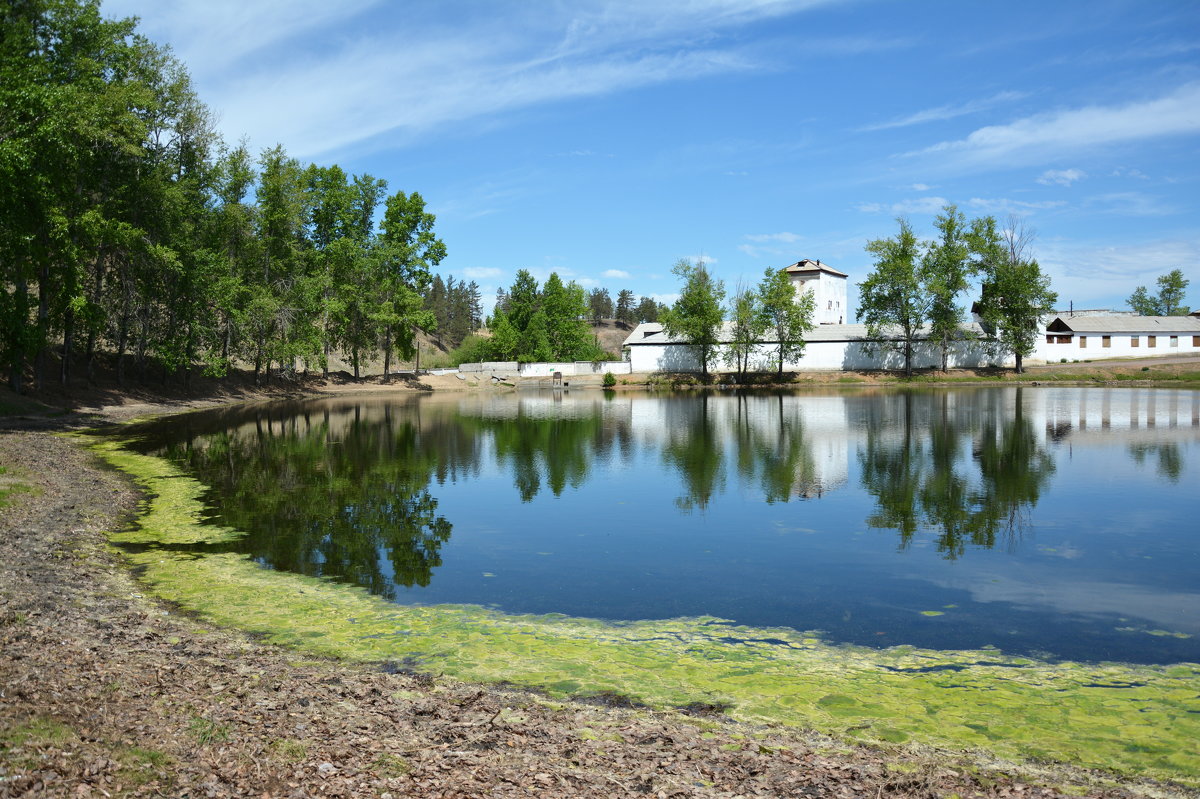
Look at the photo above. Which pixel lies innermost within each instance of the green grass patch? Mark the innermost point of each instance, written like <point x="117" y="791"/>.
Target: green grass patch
<point x="1136" y="720"/>
<point x="10" y="485"/>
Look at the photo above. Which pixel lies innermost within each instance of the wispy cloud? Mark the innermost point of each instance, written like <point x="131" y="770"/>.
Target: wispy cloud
<point x="617" y="274"/>
<point x="1102" y="276"/>
<point x="1061" y="177"/>
<point x="1059" y="133"/>
<point x="309" y="74"/>
<point x="482" y="272"/>
<point x="1130" y="203"/>
<point x="786" y="237"/>
<point x="1000" y="205"/>
<point x="918" y="205"/>
<point x="943" y="112"/>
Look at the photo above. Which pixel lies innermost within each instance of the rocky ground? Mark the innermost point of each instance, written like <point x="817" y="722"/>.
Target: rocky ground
<point x="105" y="691"/>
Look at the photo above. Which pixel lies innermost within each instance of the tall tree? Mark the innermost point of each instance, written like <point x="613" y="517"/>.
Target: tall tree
<point x="566" y="310"/>
<point x="892" y="301"/>
<point x="1167" y="302"/>
<point x="647" y="310"/>
<point x="945" y="274"/>
<point x="696" y="316"/>
<point x="409" y="252"/>
<point x="600" y="304"/>
<point x="746" y="325"/>
<point x="625" y="309"/>
<point x="1014" y="295"/>
<point x="787" y="317"/>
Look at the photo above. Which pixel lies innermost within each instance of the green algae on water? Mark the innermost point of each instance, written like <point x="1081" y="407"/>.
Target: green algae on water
<point x="1138" y="720"/>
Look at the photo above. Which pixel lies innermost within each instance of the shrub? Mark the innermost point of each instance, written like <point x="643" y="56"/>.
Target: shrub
<point x="610" y="380"/>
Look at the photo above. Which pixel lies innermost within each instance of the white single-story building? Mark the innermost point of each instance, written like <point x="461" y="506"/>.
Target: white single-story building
<point x="1118" y="336"/>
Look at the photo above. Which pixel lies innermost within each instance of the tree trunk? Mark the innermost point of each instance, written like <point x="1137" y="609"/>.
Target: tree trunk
<point x="1020" y="366"/>
<point x="68" y="335"/>
<point x="387" y="354"/>
<point x="20" y="319"/>
<point x="43" y="326"/>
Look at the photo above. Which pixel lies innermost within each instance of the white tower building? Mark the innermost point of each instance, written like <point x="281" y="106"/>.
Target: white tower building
<point x="826" y="284"/>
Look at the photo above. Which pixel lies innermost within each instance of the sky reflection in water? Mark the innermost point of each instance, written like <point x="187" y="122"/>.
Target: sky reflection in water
<point x="1051" y="521"/>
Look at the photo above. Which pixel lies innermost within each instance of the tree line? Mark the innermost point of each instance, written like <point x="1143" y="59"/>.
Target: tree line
<point x="911" y="295"/>
<point x="129" y="225"/>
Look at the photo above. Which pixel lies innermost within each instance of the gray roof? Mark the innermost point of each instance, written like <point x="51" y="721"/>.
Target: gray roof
<point x="652" y="333"/>
<point x="1126" y="324"/>
<point x="808" y="265"/>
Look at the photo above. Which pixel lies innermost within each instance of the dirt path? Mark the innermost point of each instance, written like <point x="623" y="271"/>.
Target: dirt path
<point x="106" y="692"/>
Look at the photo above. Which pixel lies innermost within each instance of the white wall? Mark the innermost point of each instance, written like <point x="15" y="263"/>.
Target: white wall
<point x="1120" y="346"/>
<point x="818" y="356"/>
<point x="829" y="296"/>
<point x="575" y="368"/>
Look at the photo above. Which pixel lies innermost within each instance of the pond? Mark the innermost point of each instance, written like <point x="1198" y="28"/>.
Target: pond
<point x="1059" y="523"/>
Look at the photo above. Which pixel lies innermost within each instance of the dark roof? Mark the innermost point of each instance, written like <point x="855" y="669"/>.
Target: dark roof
<point x="807" y="265"/>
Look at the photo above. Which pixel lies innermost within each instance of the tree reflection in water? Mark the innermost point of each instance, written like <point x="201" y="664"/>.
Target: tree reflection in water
<point x="915" y="464"/>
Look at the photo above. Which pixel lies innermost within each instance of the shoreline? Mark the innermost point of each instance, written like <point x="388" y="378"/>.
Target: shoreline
<point x="117" y="691"/>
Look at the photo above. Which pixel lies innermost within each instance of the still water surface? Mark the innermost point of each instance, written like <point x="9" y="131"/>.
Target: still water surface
<point x="1056" y="522"/>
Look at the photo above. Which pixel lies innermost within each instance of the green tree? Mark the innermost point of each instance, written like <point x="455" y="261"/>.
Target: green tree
<point x="945" y="273"/>
<point x="1014" y="295"/>
<point x="625" y="308"/>
<point x="1167" y="302"/>
<point x="647" y="310"/>
<point x="408" y="251"/>
<point x="892" y="300"/>
<point x="696" y="316"/>
<point x="786" y="316"/>
<point x="747" y="324"/>
<point x="566" y="312"/>
<point x="600" y="304"/>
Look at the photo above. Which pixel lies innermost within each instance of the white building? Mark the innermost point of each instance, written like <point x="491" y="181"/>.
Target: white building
<point x="827" y="286"/>
<point x="1086" y="338"/>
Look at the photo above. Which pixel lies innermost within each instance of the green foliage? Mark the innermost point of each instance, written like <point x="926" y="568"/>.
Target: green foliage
<point x="892" y="301"/>
<point x="1167" y="302"/>
<point x="1014" y="296"/>
<point x="625" y="311"/>
<point x="696" y="316"/>
<point x="747" y="323"/>
<point x="945" y="273"/>
<point x="786" y="317"/>
<point x="127" y="224"/>
<point x="546" y="324"/>
<point x="610" y="380"/>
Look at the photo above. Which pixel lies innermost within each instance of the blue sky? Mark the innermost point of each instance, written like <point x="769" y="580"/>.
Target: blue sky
<point x="605" y="139"/>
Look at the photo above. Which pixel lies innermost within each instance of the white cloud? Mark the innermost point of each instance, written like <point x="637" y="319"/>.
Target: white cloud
<point x="311" y="75"/>
<point x="1126" y="172"/>
<point x="786" y="237"/>
<point x="619" y="274"/>
<point x="1002" y="205"/>
<point x="707" y="259"/>
<point x="944" y="112"/>
<point x="1103" y="276"/>
<point x="921" y="187"/>
<point x="482" y="272"/>
<point x="666" y="299"/>
<point x="918" y="205"/>
<point x="1129" y="203"/>
<point x="1061" y="177"/>
<point x="1059" y="133"/>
